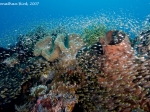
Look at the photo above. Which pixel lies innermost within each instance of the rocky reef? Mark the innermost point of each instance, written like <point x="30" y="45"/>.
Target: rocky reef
<point x="58" y="71"/>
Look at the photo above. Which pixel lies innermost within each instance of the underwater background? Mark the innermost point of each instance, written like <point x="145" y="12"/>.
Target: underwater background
<point x="75" y="56"/>
<point x="19" y="19"/>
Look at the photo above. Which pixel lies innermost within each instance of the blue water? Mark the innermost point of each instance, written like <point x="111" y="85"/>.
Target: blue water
<point x="14" y="17"/>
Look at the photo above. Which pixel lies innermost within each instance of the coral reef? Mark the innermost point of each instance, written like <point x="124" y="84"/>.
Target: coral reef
<point x="122" y="87"/>
<point x="65" y="48"/>
<point x="23" y="108"/>
<point x="11" y="61"/>
<point x="28" y="41"/>
<point x="107" y="75"/>
<point x="44" y="46"/>
<point x="5" y="53"/>
<point x="93" y="33"/>
<point x="69" y="51"/>
<point x="142" y="44"/>
<point x="120" y="70"/>
<point x="12" y="79"/>
<point x="47" y="76"/>
<point x="60" y="98"/>
<point x="38" y="90"/>
<point x="87" y="87"/>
